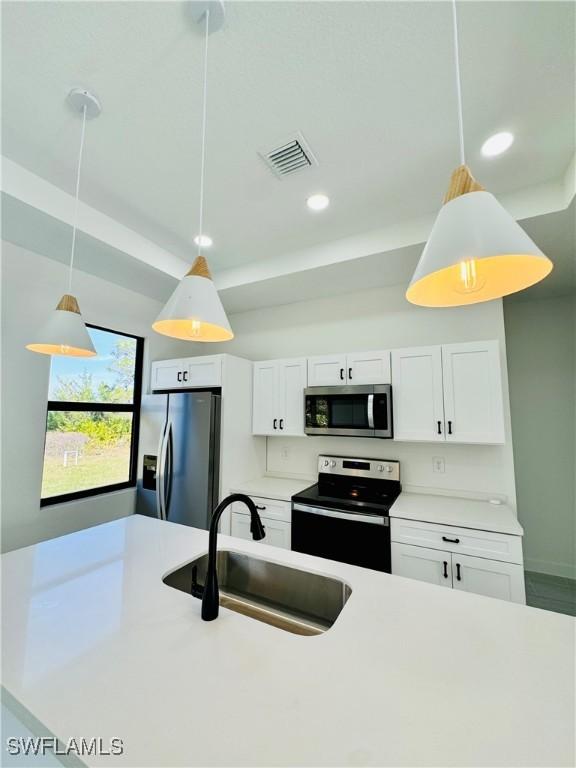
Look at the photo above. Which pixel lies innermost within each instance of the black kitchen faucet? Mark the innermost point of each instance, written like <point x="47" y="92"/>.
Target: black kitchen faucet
<point x="210" y="595"/>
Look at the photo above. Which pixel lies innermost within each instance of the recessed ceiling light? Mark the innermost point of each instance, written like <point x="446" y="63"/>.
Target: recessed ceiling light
<point x="497" y="144"/>
<point x="203" y="241"/>
<point x="318" y="202"/>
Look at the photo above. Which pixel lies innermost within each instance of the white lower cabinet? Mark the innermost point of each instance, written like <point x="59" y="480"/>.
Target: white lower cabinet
<point x="422" y="564"/>
<point x="276" y="516"/>
<point x="489" y="577"/>
<point x="502" y="578"/>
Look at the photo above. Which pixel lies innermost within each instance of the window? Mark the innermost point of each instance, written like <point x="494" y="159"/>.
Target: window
<point x="92" y="423"/>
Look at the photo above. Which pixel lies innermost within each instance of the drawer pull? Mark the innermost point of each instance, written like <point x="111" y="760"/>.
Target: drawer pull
<point x="450" y="541"/>
<point x="458" y="577"/>
<point x="439" y="427"/>
<point x="445" y="569"/>
<point x="260" y="508"/>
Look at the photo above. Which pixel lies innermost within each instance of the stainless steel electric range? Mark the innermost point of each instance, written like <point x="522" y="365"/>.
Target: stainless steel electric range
<point x="344" y="516"/>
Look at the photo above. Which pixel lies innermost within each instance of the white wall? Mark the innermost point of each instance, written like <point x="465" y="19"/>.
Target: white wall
<point x="379" y="319"/>
<point x="541" y="346"/>
<point x="31" y="287"/>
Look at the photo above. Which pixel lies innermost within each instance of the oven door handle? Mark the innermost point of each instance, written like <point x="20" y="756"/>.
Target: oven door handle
<point x="370" y="406"/>
<point x="357" y="518"/>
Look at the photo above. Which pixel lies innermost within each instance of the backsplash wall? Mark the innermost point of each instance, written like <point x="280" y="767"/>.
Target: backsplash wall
<point x="472" y="470"/>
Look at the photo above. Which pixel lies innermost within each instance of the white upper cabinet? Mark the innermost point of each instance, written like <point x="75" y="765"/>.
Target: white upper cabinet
<point x="473" y="392"/>
<point x="166" y="374"/>
<point x="202" y="371"/>
<point x="417" y="399"/>
<point x="186" y="373"/>
<point x="327" y="371"/>
<point x="292" y="377"/>
<point x="278" y="403"/>
<point x="451" y="392"/>
<point x="368" y="367"/>
<point x="353" y="368"/>
<point x="265" y="398"/>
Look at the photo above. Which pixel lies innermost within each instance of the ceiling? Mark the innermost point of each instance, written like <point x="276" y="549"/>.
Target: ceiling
<point x="369" y="84"/>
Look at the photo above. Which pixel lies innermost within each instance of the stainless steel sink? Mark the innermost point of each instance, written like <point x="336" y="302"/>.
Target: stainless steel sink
<point x="296" y="601"/>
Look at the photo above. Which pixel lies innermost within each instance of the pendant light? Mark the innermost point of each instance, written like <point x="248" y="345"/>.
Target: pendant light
<point x="476" y="250"/>
<point x="64" y="333"/>
<point x="194" y="312"/>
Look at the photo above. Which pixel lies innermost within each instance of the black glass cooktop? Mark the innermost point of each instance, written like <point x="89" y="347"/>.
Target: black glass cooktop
<point x="368" y="498"/>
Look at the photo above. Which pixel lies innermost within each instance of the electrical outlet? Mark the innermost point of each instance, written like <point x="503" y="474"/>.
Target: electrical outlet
<point x="438" y="464"/>
<point x="284" y="452"/>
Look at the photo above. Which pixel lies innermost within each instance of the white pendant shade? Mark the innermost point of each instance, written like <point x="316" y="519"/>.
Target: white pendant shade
<point x="476" y="252"/>
<point x="64" y="333"/>
<point x="194" y="312"/>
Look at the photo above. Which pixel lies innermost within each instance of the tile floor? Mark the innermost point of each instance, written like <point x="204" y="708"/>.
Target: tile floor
<point x="552" y="593"/>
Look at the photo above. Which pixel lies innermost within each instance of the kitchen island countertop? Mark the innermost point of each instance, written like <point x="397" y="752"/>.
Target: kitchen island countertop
<point x="95" y="645"/>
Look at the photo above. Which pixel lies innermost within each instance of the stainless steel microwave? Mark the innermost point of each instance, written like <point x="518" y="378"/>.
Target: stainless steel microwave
<point x="355" y="411"/>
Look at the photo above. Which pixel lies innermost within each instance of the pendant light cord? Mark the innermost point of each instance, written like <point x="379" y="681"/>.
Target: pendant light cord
<point x="458" y="83"/>
<point x="75" y="219"/>
<point x="203" y="153"/>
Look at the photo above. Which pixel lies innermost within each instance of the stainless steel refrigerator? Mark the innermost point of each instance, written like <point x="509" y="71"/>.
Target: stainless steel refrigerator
<point x="180" y="483"/>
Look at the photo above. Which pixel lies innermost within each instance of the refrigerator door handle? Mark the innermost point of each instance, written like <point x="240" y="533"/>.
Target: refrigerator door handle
<point x="170" y="471"/>
<point x="160" y="476"/>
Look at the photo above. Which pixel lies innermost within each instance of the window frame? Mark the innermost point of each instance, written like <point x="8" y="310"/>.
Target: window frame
<point x="133" y="408"/>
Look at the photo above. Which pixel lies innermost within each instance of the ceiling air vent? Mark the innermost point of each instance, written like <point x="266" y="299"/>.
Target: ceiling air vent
<point x="290" y="156"/>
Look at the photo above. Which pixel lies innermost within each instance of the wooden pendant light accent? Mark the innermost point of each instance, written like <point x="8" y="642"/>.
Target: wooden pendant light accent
<point x="200" y="268"/>
<point x="462" y="182"/>
<point x="69" y="304"/>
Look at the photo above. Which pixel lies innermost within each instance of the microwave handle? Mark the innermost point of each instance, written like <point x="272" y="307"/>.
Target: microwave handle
<point x="370" y="407"/>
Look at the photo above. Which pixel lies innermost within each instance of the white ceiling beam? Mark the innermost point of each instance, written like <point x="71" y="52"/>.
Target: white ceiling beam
<point x="37" y="192"/>
<point x="40" y="194"/>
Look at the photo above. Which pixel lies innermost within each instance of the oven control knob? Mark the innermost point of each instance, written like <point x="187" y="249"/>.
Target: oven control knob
<point x="326" y="463"/>
<point x="380" y="468"/>
<point x="388" y="468"/>
<point x="332" y="464"/>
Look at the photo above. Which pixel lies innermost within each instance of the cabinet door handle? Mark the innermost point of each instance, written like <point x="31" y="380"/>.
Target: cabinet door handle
<point x="260" y="508"/>
<point x="449" y="427"/>
<point x="445" y="569"/>
<point x="281" y="423"/>
<point x="439" y="427"/>
<point x="350" y="373"/>
<point x="458" y="577"/>
<point x="179" y="376"/>
<point x="341" y="374"/>
<point x="450" y="541"/>
<point x="275" y="424"/>
<point x="185" y="375"/>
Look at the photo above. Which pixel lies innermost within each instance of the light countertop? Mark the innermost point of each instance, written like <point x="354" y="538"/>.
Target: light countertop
<point x="268" y="487"/>
<point x="95" y="645"/>
<point x="449" y="510"/>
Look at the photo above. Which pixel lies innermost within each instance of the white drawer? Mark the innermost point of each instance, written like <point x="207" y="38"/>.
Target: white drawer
<point x="277" y="532"/>
<point x="270" y="508"/>
<point x="467" y="541"/>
